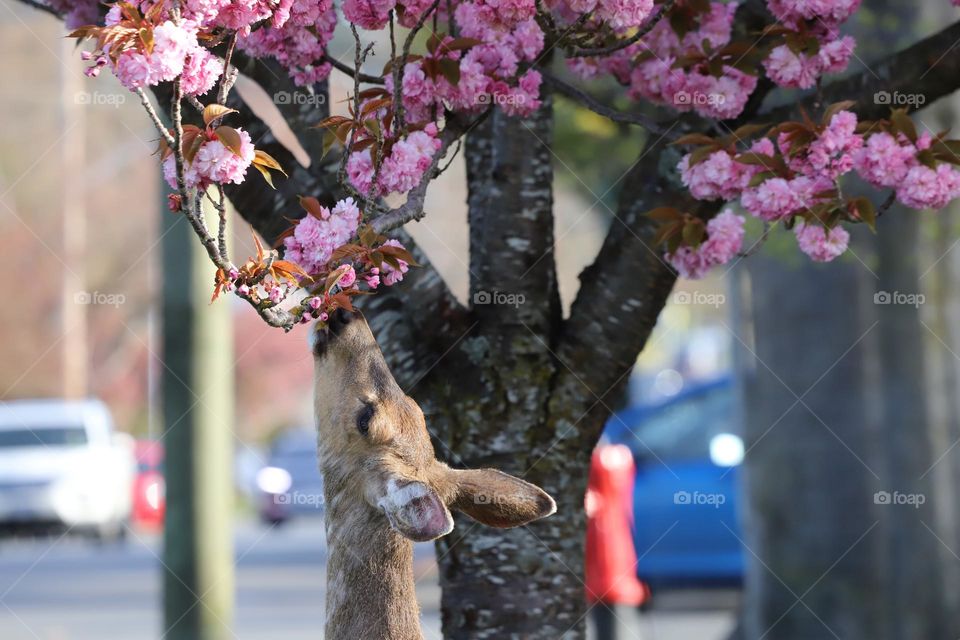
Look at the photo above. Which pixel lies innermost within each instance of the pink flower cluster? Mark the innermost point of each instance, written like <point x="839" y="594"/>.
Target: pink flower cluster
<point x="390" y="275"/>
<point x="175" y="51"/>
<point x="648" y="67"/>
<point x="295" y="33"/>
<point x="830" y="12"/>
<point x="815" y="170"/>
<point x="810" y="178"/>
<point x="315" y="238"/>
<point x="821" y="244"/>
<point x="724" y="239"/>
<point x="214" y="163"/>
<point x="297" y="37"/>
<point x="400" y="171"/>
<point x="886" y="161"/>
<point x="801" y="70"/>
<point x="817" y="20"/>
<point x="720" y="176"/>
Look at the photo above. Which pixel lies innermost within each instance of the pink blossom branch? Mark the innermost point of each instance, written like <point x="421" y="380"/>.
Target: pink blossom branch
<point x="399" y="65"/>
<point x="412" y="209"/>
<point x="623" y="44"/>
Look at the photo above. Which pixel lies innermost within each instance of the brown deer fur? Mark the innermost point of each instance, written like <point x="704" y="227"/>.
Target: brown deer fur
<point x="384" y="487"/>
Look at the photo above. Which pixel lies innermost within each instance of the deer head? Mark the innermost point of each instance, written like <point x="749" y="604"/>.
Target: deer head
<point x="374" y="446"/>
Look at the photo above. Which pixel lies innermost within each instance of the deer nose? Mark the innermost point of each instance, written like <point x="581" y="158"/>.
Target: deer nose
<point x="339" y="320"/>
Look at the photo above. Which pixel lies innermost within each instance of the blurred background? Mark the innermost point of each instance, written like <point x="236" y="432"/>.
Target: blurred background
<point x="851" y="371"/>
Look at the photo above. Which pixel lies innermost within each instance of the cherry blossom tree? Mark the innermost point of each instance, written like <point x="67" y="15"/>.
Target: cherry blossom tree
<point x="749" y="113"/>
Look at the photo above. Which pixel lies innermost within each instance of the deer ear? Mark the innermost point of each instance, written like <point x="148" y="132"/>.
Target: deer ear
<point x="498" y="499"/>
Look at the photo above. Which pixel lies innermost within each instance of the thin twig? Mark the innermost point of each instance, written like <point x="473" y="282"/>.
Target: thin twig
<point x="767" y="228"/>
<point x="145" y="101"/>
<point x="350" y="71"/>
<point x="228" y="78"/>
<point x="596" y="106"/>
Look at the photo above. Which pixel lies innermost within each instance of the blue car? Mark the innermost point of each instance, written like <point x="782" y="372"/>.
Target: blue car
<point x="687" y="453"/>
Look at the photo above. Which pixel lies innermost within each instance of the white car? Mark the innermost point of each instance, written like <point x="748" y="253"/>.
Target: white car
<point x="62" y="464"/>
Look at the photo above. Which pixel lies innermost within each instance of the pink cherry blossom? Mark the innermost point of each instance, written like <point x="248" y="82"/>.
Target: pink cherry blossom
<point x="391" y="275"/>
<point x="883" y="161"/>
<point x="926" y="188"/>
<point x="724" y="239"/>
<point x="315" y="239"/>
<point x="818" y="243"/>
<point x="216" y="163"/>
<point x="201" y="71"/>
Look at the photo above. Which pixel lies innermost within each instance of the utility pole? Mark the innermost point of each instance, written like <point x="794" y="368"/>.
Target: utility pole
<point x="197" y="399"/>
<point x="73" y="299"/>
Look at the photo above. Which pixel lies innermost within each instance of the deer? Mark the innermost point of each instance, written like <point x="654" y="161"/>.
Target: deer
<point x="385" y="489"/>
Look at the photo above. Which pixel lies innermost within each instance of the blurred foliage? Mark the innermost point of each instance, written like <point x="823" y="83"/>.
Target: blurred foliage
<point x="593" y="152"/>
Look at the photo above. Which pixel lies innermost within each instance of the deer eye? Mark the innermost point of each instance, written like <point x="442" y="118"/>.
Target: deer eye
<point x="364" y="417"/>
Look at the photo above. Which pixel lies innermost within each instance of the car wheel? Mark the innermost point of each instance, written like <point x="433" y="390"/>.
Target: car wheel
<point x="110" y="533"/>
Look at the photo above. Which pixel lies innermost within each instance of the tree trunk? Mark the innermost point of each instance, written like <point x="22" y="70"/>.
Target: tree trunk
<point x="519" y="583"/>
<point x="810" y="543"/>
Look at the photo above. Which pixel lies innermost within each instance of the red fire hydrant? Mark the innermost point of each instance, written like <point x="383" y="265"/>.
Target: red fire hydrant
<point x="611" y="560"/>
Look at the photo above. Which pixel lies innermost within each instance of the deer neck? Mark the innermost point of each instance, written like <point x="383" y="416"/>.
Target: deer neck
<point x="370" y="585"/>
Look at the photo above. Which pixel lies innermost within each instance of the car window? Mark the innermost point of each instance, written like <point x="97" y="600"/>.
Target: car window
<point x="43" y="436"/>
<point x="683" y="429"/>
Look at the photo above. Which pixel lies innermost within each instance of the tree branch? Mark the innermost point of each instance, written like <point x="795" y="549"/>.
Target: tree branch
<point x="348" y="70"/>
<point x="588" y="101"/>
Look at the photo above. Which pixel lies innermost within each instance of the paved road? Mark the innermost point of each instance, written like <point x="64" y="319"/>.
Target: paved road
<point x="71" y="589"/>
